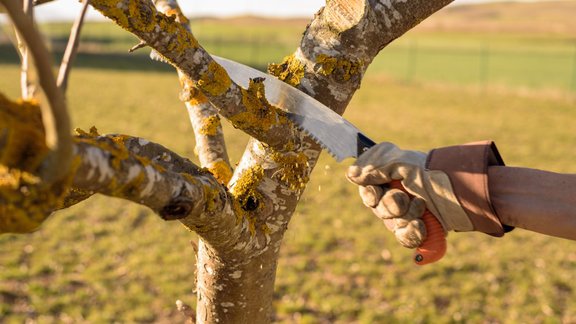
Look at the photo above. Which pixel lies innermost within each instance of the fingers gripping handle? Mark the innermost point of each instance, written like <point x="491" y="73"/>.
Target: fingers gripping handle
<point x="434" y="246"/>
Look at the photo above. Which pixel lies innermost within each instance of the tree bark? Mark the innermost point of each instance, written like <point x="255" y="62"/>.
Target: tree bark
<point x="242" y="225"/>
<point x="335" y="51"/>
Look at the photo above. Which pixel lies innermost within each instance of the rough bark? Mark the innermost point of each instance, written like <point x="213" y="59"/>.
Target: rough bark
<point x="335" y="51"/>
<point x="210" y="144"/>
<point x="242" y="226"/>
<point x="247" y="109"/>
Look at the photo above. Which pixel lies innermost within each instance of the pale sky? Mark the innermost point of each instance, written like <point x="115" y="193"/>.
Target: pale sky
<point x="67" y="9"/>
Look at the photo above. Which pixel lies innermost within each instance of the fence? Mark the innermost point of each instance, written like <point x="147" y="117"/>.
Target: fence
<point x="521" y="64"/>
<point x="482" y="64"/>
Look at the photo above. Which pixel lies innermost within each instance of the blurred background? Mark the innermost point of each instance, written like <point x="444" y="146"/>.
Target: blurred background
<point x="475" y="70"/>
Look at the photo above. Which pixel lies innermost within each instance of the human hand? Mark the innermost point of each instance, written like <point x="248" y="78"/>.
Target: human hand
<point x="384" y="163"/>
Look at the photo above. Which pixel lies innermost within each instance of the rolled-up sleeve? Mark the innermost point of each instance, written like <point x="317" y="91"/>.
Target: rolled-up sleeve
<point x="467" y="167"/>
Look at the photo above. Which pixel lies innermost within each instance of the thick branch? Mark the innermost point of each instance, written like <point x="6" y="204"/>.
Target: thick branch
<point x="246" y="109"/>
<point x="210" y="144"/>
<point x="106" y="166"/>
<point x="334" y="52"/>
<point x="54" y="114"/>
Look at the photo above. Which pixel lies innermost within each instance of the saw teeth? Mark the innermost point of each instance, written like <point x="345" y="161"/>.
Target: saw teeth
<point x="324" y="147"/>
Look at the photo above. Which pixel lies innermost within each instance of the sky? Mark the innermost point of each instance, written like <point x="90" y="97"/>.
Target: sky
<point x="67" y="9"/>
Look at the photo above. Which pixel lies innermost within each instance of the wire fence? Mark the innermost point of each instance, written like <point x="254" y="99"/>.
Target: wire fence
<point x="481" y="65"/>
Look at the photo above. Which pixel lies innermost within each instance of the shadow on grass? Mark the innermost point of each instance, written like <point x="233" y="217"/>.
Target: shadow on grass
<point x="113" y="61"/>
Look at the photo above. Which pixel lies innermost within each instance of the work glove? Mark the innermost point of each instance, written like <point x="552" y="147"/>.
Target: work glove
<point x="402" y="213"/>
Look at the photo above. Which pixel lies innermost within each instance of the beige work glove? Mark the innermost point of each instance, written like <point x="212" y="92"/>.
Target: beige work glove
<point x="402" y="215"/>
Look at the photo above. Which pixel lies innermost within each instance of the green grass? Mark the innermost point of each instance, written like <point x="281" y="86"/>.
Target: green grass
<point x="487" y="61"/>
<point x="107" y="260"/>
<point x="484" y="60"/>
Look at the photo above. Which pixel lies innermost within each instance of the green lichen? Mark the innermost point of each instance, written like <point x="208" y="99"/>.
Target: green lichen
<point x="291" y="70"/>
<point x="340" y="68"/>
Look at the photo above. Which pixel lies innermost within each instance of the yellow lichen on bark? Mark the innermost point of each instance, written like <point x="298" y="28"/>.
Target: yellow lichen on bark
<point x="189" y="92"/>
<point x="260" y="115"/>
<point x="177" y="13"/>
<point x="141" y="18"/>
<point x="246" y="197"/>
<point x="290" y="70"/>
<point x="293" y="169"/>
<point x="221" y="171"/>
<point x="214" y="81"/>
<point x="118" y="153"/>
<point x="197" y="99"/>
<point x="22" y="137"/>
<point x="210" y="126"/>
<point x="339" y="67"/>
<point x="211" y="194"/>
<point x="25" y="202"/>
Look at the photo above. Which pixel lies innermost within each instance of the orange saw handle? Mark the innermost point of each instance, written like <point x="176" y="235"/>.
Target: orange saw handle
<point x="434" y="246"/>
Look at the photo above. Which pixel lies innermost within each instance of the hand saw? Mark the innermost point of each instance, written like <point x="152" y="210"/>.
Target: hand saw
<point x="335" y="134"/>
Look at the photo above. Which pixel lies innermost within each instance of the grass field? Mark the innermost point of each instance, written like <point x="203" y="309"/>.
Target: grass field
<point x="107" y="260"/>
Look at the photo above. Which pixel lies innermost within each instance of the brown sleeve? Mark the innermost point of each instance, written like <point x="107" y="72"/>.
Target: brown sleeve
<point x="536" y="200"/>
<point x="467" y="167"/>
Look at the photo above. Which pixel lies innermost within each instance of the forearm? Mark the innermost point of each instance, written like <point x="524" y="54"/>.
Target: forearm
<point x="539" y="201"/>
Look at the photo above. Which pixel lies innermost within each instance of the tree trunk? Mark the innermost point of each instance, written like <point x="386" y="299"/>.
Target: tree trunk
<point x="234" y="290"/>
<point x="241" y="222"/>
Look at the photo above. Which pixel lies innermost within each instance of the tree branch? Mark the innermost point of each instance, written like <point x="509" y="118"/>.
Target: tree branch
<point x="71" y="49"/>
<point x="119" y="166"/>
<point x="27" y="85"/>
<point x="107" y="166"/>
<point x="247" y="109"/>
<point x="54" y="113"/>
<point x="210" y="144"/>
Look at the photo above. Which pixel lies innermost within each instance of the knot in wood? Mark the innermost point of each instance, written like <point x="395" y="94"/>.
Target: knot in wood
<point x="177" y="209"/>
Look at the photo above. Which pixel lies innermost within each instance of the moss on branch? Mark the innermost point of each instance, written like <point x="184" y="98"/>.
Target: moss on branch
<point x="25" y="201"/>
<point x="246" y="109"/>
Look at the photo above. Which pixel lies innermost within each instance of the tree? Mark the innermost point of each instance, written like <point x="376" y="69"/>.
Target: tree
<point x="240" y="215"/>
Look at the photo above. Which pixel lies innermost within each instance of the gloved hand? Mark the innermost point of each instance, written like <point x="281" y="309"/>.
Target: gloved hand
<point x="386" y="162"/>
